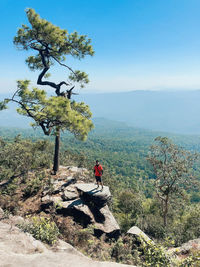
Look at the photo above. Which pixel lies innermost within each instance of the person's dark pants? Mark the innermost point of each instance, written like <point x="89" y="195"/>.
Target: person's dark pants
<point x="98" y="179"/>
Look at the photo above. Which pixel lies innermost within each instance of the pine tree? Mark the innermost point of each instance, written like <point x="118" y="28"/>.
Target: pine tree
<point x="50" y="45"/>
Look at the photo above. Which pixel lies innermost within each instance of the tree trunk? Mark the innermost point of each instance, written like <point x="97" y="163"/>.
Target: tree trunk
<point x="165" y="211"/>
<point x="56" y="153"/>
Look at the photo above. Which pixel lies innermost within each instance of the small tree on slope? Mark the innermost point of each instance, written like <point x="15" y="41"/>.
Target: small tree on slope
<point x="53" y="114"/>
<point x="172" y="166"/>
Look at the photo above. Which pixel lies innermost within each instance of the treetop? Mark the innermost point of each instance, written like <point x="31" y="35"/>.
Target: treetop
<point x="50" y="42"/>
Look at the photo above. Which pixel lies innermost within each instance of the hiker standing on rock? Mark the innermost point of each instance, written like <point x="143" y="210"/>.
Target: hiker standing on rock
<point x="98" y="171"/>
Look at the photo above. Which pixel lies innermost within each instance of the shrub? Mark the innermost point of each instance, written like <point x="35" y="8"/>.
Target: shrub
<point x="21" y="156"/>
<point x="83" y="236"/>
<point x="122" y="251"/>
<point x="34" y="184"/>
<point x="191" y="261"/>
<point x="42" y="229"/>
<point x="153" y="255"/>
<point x="187" y="227"/>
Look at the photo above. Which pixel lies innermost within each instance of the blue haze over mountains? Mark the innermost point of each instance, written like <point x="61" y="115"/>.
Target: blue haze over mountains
<point x="175" y="112"/>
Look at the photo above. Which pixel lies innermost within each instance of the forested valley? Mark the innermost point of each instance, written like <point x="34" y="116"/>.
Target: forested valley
<point x="123" y="153"/>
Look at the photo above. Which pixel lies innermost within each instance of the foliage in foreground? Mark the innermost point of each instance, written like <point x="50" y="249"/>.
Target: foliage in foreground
<point x="42" y="229"/>
<point x="132" y="250"/>
<point x="22" y="156"/>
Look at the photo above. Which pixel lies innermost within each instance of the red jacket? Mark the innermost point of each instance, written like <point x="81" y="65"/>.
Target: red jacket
<point x="98" y="170"/>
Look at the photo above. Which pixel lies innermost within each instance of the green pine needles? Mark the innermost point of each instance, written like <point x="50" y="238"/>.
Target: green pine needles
<point x="52" y="113"/>
<point x="50" y="46"/>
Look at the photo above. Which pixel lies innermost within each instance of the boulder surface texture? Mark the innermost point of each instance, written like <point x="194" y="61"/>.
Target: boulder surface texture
<point x="18" y="249"/>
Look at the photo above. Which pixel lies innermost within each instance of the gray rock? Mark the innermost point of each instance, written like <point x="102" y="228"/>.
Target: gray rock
<point x="86" y="204"/>
<point x="137" y="232"/>
<point x="20" y="249"/>
<point x="188" y="246"/>
<point x="78" y="210"/>
<point x="50" y="200"/>
<point x="1" y="214"/>
<point x="76" y="169"/>
<point x="91" y="194"/>
<point x="192" y="244"/>
<point x="109" y="225"/>
<point x="73" y="169"/>
<point x="17" y="241"/>
<point x="70" y="194"/>
<point x="47" y="199"/>
<point x="58" y="185"/>
<point x="62" y="246"/>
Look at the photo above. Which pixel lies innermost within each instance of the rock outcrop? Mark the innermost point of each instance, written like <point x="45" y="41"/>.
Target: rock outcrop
<point x="190" y="245"/>
<point x="92" y="194"/>
<point x="21" y="249"/>
<point x="86" y="203"/>
<point x="138" y="233"/>
<point x="186" y="248"/>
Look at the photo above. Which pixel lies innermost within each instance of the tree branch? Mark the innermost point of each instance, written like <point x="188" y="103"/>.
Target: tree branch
<point x="46" y="132"/>
<point x="64" y="65"/>
<point x="39" y="81"/>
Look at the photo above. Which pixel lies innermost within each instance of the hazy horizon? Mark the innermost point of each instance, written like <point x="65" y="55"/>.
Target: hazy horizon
<point x="175" y="112"/>
<point x="146" y="67"/>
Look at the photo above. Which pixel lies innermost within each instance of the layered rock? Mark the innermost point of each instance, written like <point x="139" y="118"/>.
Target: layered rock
<point x="108" y="225"/>
<point x="86" y="203"/>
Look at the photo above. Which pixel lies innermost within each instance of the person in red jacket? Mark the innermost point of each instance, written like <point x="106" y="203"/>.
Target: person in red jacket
<point x="98" y="171"/>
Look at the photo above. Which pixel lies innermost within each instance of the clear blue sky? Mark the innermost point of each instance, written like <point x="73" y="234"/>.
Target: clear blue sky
<point x="139" y="44"/>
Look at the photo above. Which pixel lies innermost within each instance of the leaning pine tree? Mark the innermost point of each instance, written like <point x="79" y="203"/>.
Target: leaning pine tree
<point x="54" y="114"/>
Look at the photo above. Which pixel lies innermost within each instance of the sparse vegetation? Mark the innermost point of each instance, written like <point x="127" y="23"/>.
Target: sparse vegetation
<point x="41" y="228"/>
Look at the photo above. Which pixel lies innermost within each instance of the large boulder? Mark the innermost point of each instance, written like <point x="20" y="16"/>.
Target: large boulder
<point x="109" y="225"/>
<point x="70" y="193"/>
<point x="21" y="249"/>
<point x="138" y="233"/>
<point x="92" y="194"/>
<point x="65" y="177"/>
<point x="18" y="242"/>
<point x="86" y="203"/>
<point x="50" y="200"/>
<point x="78" y="210"/>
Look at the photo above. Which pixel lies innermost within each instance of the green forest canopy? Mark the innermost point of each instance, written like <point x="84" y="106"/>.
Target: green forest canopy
<point x="121" y="149"/>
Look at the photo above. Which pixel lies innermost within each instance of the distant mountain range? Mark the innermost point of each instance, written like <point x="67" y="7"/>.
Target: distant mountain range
<point x="176" y="112"/>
